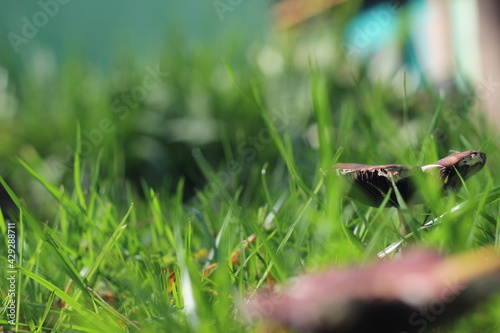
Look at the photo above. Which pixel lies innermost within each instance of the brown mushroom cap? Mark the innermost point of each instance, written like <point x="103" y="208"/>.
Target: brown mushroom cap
<point x="467" y="164"/>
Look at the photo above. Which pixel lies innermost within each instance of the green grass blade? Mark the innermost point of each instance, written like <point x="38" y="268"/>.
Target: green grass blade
<point x="321" y="107"/>
<point x="94" y="319"/>
<point x="55" y="192"/>
<point x="76" y="168"/>
<point x="109" y="245"/>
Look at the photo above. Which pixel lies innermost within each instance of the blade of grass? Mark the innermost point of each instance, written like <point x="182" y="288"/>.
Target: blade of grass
<point x="71" y="302"/>
<point x="46" y="312"/>
<point x="109" y="244"/>
<point x="454" y="213"/>
<point x="297" y="220"/>
<point x="76" y="168"/>
<point x="321" y="107"/>
<point x="59" y="195"/>
<point x="47" y="235"/>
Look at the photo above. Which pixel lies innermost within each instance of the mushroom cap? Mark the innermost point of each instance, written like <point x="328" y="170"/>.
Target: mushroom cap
<point x="466" y="163"/>
<point x="371" y="183"/>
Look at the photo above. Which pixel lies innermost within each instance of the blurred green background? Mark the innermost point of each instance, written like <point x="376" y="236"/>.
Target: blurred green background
<point x="203" y="123"/>
<point x="154" y="70"/>
<point x="147" y="83"/>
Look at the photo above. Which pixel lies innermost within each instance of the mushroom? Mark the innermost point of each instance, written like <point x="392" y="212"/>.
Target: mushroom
<point x="419" y="290"/>
<point x="372" y="183"/>
<point x="466" y="164"/>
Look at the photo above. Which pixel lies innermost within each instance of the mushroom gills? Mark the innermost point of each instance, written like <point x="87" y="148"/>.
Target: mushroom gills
<point x="372" y="183"/>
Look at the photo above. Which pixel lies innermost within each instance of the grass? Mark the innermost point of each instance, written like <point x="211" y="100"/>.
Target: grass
<point x="149" y="257"/>
<point x="98" y="253"/>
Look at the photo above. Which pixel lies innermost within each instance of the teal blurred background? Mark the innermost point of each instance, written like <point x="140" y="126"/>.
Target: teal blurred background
<point x="103" y="33"/>
<point x="64" y="63"/>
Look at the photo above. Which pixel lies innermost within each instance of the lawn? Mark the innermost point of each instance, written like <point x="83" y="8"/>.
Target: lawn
<point x="158" y="198"/>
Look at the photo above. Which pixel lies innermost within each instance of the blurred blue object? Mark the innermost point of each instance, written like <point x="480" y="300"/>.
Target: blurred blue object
<point x="384" y="26"/>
